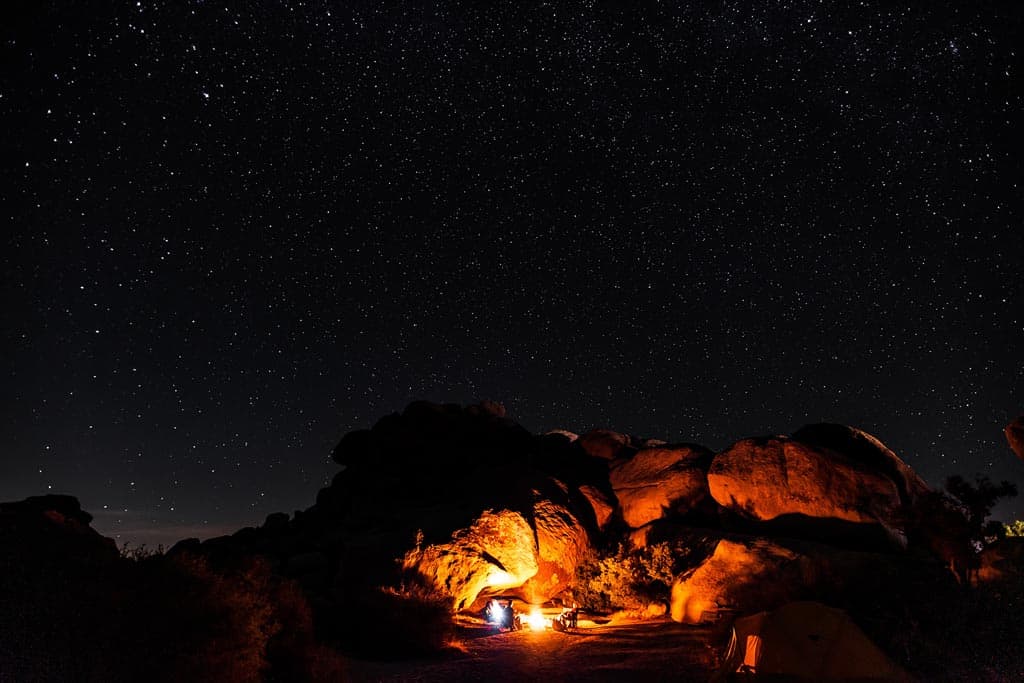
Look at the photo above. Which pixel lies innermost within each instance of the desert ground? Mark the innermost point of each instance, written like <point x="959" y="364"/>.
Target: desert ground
<point x="620" y="650"/>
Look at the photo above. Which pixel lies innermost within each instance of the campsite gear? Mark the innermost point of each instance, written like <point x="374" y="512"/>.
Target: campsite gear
<point x="806" y="641"/>
<point x="559" y="624"/>
<point x="500" y="615"/>
<point x="566" y="621"/>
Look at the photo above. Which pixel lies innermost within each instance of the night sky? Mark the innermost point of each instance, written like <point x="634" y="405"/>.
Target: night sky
<point x="236" y="231"/>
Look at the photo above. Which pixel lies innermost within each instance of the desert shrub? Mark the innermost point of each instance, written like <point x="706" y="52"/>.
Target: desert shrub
<point x="626" y="579"/>
<point x="184" y="621"/>
<point x="293" y="652"/>
<point x="392" y="623"/>
<point x="657" y="563"/>
<point x="138" y="553"/>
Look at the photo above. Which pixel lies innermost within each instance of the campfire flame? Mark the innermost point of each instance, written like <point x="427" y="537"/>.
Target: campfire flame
<point x="536" y="620"/>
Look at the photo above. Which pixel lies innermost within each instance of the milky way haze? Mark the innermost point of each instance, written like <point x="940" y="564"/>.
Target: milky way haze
<point x="235" y="231"/>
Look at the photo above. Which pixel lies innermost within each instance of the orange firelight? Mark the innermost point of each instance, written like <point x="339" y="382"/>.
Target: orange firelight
<point x="536" y="620"/>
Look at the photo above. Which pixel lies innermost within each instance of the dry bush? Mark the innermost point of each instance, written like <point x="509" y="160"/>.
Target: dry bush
<point x="293" y="653"/>
<point x="626" y="579"/>
<point x="184" y="621"/>
<point x="393" y="623"/>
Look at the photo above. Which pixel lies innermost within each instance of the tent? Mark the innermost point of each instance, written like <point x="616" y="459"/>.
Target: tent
<point x="805" y="641"/>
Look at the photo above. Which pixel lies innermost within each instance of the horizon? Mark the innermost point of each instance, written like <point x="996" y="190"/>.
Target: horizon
<point x="137" y="529"/>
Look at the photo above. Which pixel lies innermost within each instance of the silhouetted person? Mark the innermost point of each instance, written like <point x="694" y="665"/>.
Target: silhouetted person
<point x="571" y="617"/>
<point x="510" y="616"/>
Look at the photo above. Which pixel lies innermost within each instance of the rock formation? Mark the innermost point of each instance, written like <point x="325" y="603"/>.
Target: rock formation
<point x="497" y="552"/>
<point x="824" y="480"/>
<point x="441" y="506"/>
<point x="461" y="501"/>
<point x="467" y="503"/>
<point x="868" y="451"/>
<point x="737" y="577"/>
<point x="1015" y="436"/>
<point x="660" y="480"/>
<point x="53" y="528"/>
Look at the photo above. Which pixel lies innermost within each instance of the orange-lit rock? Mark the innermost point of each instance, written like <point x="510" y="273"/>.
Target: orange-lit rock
<point x="660" y="480"/>
<point x="1015" y="436"/>
<point x="562" y="544"/>
<point x="503" y="551"/>
<point x="768" y="478"/>
<point x="602" y="506"/>
<point x="744" y="576"/>
<point x="498" y="552"/>
<point x="865" y="449"/>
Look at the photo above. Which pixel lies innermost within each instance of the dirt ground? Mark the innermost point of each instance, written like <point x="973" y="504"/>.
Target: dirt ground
<point x="622" y="650"/>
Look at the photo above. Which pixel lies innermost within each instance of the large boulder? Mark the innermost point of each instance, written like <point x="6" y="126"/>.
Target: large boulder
<point x="869" y="451"/>
<point x="739" y="576"/>
<point x="427" y="432"/>
<point x="825" y="480"/>
<point x="746" y="574"/>
<point x="660" y="480"/>
<point x="497" y="552"/>
<point x="1015" y="436"/>
<point x="535" y="553"/>
<point x="466" y="499"/>
<point x="52" y="529"/>
<point x="60" y="582"/>
<point x="562" y="546"/>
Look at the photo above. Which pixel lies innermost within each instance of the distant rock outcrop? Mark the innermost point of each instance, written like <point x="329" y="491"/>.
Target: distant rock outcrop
<point x="661" y="480"/>
<point x="53" y="528"/>
<point x="57" y="589"/>
<point x="1015" y="436"/>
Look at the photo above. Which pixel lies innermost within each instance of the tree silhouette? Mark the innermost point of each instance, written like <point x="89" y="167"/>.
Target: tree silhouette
<point x="976" y="501"/>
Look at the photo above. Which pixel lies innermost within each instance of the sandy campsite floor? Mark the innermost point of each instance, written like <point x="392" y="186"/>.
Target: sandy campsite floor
<point x="623" y="650"/>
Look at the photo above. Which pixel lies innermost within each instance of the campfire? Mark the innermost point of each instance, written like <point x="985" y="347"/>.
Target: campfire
<point x="536" y="620"/>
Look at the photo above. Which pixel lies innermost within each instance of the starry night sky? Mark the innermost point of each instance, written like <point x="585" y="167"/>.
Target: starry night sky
<point x="236" y="231"/>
